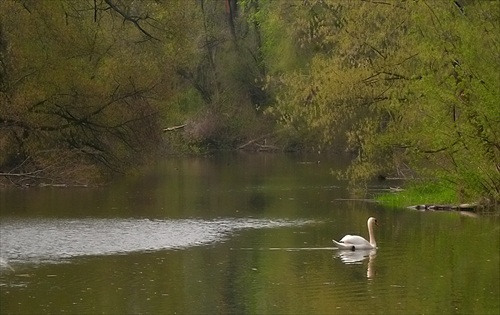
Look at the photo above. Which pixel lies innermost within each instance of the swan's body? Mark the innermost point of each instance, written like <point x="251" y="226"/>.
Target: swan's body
<point x="354" y="242"/>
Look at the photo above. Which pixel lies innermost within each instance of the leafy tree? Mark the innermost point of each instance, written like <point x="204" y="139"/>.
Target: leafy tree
<point x="453" y="122"/>
<point x="409" y="87"/>
<point x="227" y="74"/>
<point x="80" y="83"/>
<point x="407" y="84"/>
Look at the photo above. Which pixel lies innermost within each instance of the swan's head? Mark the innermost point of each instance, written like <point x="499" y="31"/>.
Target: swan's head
<point x="372" y="221"/>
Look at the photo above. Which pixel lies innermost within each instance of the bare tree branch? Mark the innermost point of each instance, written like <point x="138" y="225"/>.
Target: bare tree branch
<point x="127" y="17"/>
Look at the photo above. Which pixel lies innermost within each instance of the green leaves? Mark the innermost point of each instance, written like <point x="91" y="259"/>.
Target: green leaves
<point x="410" y="87"/>
<point x="84" y="87"/>
<point x="409" y="83"/>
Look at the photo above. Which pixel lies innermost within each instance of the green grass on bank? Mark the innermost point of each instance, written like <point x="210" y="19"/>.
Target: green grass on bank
<point x="420" y="193"/>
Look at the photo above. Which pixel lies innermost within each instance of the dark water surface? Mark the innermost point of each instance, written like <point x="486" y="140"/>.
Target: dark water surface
<point x="240" y="234"/>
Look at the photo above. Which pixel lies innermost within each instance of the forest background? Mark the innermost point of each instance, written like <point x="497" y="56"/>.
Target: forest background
<point x="409" y="88"/>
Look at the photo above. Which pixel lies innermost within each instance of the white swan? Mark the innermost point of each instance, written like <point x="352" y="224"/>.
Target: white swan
<point x="354" y="242"/>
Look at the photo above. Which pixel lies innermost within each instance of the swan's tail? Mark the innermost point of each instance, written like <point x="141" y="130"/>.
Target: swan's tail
<point x="343" y="245"/>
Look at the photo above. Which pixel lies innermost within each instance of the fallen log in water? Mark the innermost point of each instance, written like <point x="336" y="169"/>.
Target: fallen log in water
<point x="461" y="207"/>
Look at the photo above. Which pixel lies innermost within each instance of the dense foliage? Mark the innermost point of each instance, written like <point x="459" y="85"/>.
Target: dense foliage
<point x="411" y="88"/>
<point x="79" y="88"/>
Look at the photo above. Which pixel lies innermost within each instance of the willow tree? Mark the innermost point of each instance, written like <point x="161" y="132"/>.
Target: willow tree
<point x="451" y="127"/>
<point x="80" y="84"/>
<point x="407" y="86"/>
<point x="357" y="59"/>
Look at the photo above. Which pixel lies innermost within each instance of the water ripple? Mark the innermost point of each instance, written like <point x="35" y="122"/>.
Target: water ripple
<point x="37" y="240"/>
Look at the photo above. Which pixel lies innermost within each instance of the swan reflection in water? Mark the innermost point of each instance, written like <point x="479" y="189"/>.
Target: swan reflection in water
<point x="357" y="257"/>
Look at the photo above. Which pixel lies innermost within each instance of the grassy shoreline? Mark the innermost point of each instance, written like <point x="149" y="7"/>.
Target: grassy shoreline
<point x="420" y="193"/>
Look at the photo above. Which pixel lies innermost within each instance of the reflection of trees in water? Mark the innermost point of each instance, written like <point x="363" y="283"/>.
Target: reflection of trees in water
<point x="258" y="201"/>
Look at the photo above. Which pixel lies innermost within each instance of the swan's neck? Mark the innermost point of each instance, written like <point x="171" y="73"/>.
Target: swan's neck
<point x="372" y="236"/>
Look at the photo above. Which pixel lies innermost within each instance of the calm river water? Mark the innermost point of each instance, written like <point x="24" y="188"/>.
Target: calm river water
<point x="239" y="234"/>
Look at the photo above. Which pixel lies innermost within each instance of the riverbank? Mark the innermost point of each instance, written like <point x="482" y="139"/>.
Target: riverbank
<point x="432" y="196"/>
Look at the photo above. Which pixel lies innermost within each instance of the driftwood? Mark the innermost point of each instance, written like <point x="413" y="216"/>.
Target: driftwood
<point x="254" y="140"/>
<point x="263" y="147"/>
<point x="31" y="179"/>
<point x="462" y="207"/>
<point x="28" y="175"/>
<point x="174" y="127"/>
<point x="260" y="147"/>
<point x="62" y="185"/>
